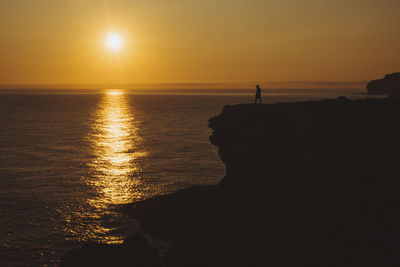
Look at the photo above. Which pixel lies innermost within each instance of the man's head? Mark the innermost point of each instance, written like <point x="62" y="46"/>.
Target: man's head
<point x="258" y="87"/>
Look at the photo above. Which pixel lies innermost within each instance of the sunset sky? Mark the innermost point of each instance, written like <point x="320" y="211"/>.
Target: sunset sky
<point x="278" y="43"/>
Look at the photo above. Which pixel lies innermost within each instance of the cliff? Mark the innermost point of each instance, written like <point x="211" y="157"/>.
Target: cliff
<point x="307" y="184"/>
<point x="389" y="85"/>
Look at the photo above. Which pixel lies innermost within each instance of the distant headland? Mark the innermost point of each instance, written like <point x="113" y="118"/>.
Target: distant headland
<point x="389" y="85"/>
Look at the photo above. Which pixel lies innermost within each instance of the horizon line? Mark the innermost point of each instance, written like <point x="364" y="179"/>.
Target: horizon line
<point x="192" y="85"/>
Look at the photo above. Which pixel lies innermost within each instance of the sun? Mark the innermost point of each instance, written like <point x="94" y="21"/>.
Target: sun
<point x="114" y="41"/>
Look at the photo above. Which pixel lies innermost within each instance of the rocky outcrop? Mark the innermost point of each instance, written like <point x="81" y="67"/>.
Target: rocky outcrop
<point x="307" y="184"/>
<point x="135" y="251"/>
<point x="389" y="85"/>
<point x="169" y="217"/>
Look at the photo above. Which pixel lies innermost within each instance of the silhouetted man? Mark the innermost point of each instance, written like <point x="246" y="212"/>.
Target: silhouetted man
<point x="258" y="95"/>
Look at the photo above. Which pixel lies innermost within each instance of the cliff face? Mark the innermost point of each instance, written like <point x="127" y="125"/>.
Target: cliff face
<point x="280" y="143"/>
<point x="307" y="184"/>
<point x="389" y="85"/>
<point x="321" y="178"/>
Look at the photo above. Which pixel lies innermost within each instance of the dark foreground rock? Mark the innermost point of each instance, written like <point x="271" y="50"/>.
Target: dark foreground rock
<point x="389" y="85"/>
<point x="169" y="217"/>
<point x="135" y="251"/>
<point x="308" y="184"/>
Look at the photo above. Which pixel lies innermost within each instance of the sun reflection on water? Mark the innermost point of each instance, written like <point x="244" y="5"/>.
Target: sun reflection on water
<point x="115" y="173"/>
<point x="115" y="145"/>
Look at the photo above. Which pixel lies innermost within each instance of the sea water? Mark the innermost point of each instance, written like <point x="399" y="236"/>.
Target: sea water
<point x="69" y="158"/>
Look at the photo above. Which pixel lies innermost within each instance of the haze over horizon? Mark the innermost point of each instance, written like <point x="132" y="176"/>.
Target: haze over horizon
<point x="290" y="85"/>
<point x="279" y="44"/>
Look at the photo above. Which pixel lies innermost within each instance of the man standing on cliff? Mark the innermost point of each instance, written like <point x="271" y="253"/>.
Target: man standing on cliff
<point x="258" y="95"/>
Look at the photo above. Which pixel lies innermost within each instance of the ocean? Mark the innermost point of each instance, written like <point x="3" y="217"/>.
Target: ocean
<point x="69" y="158"/>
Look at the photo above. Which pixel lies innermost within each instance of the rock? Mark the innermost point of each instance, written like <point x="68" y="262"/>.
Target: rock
<point x="389" y="85"/>
<point x="135" y="251"/>
<point x="308" y="184"/>
<point x="168" y="217"/>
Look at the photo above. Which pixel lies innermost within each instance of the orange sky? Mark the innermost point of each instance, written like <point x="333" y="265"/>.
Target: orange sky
<point x="231" y="43"/>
